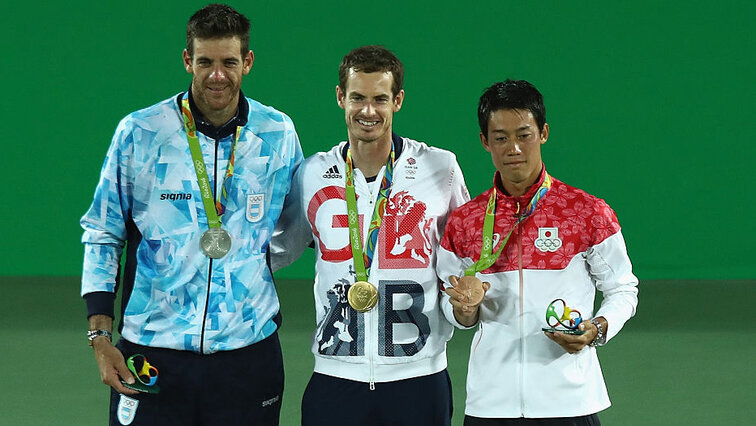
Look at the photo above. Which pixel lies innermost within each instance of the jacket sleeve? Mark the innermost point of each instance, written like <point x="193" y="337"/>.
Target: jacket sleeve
<point x="459" y="193"/>
<point x="610" y="267"/>
<point x="293" y="232"/>
<point x="104" y="224"/>
<point x="450" y="262"/>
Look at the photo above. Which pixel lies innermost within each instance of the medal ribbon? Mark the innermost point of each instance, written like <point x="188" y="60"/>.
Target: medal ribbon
<point x="487" y="255"/>
<point x="363" y="260"/>
<point x="213" y="211"/>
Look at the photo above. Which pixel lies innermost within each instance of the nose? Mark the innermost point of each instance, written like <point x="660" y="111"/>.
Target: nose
<point x="368" y="109"/>
<point x="218" y="73"/>
<point x="514" y="148"/>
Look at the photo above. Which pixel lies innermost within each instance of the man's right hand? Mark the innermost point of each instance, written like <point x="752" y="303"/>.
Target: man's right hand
<point x="112" y="366"/>
<point x="466" y="296"/>
<point x="109" y="359"/>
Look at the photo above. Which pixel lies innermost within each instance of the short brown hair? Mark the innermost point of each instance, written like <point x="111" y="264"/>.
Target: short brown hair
<point x="217" y="21"/>
<point x="372" y="59"/>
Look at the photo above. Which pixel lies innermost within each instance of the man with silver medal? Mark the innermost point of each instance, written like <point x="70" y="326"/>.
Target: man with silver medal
<point x="190" y="191"/>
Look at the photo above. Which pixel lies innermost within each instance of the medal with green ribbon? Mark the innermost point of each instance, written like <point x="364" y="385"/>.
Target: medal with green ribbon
<point x="487" y="255"/>
<point x="362" y="295"/>
<point x="215" y="242"/>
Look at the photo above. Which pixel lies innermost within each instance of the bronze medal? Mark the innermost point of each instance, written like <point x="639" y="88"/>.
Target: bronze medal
<point x="362" y="296"/>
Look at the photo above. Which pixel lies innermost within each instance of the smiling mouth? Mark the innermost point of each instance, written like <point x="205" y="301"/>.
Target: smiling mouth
<point x="367" y="123"/>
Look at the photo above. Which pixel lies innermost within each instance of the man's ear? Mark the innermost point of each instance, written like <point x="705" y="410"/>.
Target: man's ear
<point x="545" y="133"/>
<point x="187" y="61"/>
<point x="398" y="100"/>
<point x="339" y="97"/>
<point x="249" y="59"/>
<point x="484" y="142"/>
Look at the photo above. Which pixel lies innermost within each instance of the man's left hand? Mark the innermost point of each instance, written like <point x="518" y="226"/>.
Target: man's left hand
<point x="574" y="343"/>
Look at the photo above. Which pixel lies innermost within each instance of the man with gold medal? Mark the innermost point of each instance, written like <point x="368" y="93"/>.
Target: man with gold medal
<point x="190" y="193"/>
<point x="374" y="206"/>
<point x="509" y="253"/>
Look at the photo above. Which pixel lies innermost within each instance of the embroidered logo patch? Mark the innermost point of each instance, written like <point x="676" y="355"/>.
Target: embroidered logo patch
<point x="332" y="173"/>
<point x="127" y="408"/>
<point x="410" y="168"/>
<point x="548" y="239"/>
<point x="255" y="207"/>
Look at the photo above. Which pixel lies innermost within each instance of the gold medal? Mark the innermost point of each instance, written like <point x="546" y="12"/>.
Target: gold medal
<point x="362" y="296"/>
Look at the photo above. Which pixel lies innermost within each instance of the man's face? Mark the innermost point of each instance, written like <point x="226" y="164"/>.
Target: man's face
<point x="514" y="142"/>
<point x="369" y="105"/>
<point x="218" y="67"/>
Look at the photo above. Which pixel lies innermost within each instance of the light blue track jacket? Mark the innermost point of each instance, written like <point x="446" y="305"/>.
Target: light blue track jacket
<point x="177" y="297"/>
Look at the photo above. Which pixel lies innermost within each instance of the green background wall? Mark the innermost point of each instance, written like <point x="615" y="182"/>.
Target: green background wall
<point x="649" y="103"/>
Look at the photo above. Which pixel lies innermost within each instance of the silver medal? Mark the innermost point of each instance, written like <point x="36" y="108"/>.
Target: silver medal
<point x="215" y="243"/>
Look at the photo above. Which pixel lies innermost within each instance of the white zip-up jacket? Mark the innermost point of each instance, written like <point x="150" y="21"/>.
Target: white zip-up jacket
<point x="405" y="334"/>
<point x="569" y="247"/>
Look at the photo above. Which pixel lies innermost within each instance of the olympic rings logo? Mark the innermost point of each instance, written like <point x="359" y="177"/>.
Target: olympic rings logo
<point x="548" y="239"/>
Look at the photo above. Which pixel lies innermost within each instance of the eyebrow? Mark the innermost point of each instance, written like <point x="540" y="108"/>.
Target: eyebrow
<point x="378" y="96"/>
<point x="207" y="58"/>
<point x="519" y="129"/>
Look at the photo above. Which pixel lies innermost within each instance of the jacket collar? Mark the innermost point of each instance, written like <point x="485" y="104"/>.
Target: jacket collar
<point x="206" y="128"/>
<point x="525" y="198"/>
<point x="395" y="139"/>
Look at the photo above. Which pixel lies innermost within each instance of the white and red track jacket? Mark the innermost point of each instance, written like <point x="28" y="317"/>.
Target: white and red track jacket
<point x="569" y="247"/>
<point x="405" y="334"/>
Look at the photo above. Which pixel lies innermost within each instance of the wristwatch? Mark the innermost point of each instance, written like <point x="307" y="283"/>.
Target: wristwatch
<point x="600" y="338"/>
<point x="93" y="334"/>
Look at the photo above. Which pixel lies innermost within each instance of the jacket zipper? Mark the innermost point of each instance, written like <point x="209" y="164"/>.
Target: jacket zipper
<point x="371" y="353"/>
<point x="371" y="314"/>
<point x="210" y="266"/>
<point x="522" y="319"/>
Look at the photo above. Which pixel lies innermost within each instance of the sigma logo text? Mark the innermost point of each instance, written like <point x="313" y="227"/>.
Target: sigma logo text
<point x="176" y="196"/>
<point x="271" y="401"/>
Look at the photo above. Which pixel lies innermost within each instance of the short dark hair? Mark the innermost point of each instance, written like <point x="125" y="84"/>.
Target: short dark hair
<point x="511" y="94"/>
<point x="217" y="21"/>
<point x="369" y="59"/>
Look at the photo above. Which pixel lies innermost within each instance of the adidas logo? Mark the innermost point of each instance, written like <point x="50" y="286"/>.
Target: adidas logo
<point x="332" y="173"/>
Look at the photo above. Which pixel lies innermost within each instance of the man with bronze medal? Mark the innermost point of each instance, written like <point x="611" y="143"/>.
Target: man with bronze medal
<point x="522" y="262"/>
<point x="192" y="187"/>
<point x="374" y="207"/>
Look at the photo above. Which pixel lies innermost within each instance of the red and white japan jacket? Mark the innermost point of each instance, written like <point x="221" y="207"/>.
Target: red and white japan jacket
<point x="569" y="247"/>
<point x="405" y="334"/>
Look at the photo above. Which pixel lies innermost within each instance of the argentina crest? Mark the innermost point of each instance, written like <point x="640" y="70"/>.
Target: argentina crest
<point x="255" y="207"/>
<point x="127" y="408"/>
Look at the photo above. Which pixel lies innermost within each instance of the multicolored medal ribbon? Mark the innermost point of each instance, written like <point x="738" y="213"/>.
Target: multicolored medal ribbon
<point x="487" y="255"/>
<point x="215" y="242"/>
<point x="362" y="295"/>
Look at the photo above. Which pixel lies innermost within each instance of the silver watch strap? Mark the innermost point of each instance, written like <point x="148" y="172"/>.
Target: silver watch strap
<point x="600" y="338"/>
<point x="93" y="334"/>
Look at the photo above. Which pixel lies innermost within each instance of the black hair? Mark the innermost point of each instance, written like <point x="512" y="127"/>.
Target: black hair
<point x="511" y="94"/>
